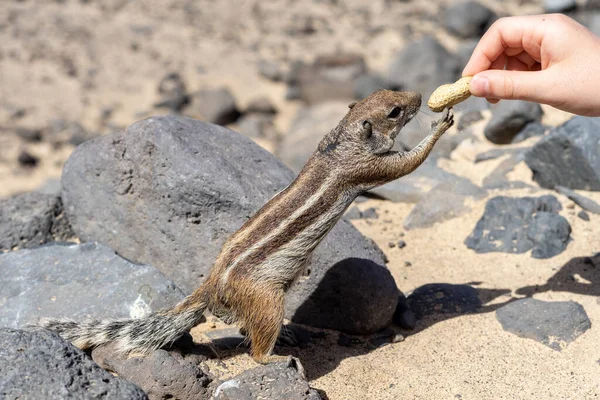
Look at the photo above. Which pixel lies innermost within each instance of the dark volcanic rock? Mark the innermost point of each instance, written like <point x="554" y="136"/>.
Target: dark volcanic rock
<point x="366" y="84"/>
<point x="162" y="374"/>
<point x="330" y="77"/>
<point x="79" y="281"/>
<point x="468" y="19"/>
<point x="170" y="190"/>
<point x="569" y="156"/>
<point x="530" y="130"/>
<point x="404" y="316"/>
<point x="445" y="201"/>
<point x="41" y="365"/>
<point x="443" y="298"/>
<point x="509" y="118"/>
<point x="217" y="106"/>
<point x="583" y="215"/>
<point x="469" y="118"/>
<point x="355" y="296"/>
<point x="516" y="225"/>
<point x="32" y="219"/>
<point x="269" y="382"/>
<point x="582" y="201"/>
<point x="422" y="66"/>
<point x="555" y="324"/>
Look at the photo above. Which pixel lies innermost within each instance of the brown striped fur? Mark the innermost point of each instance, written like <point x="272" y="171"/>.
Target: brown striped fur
<point x="259" y="262"/>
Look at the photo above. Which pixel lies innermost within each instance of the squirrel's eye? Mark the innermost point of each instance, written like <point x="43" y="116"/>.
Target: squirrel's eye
<point x="395" y="113"/>
<point x="368" y="127"/>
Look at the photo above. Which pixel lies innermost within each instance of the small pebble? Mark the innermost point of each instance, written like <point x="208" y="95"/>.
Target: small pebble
<point x="570" y="205"/>
<point x="401" y="244"/>
<point x="391" y="245"/>
<point x="583" y="215"/>
<point x="407" y="264"/>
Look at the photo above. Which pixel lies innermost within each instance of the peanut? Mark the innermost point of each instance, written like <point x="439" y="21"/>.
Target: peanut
<point x="450" y="94"/>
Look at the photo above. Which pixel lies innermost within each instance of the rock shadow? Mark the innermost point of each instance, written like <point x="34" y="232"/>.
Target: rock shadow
<point x="580" y="275"/>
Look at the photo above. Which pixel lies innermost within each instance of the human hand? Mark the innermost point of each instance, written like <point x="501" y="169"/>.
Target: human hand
<point x="549" y="59"/>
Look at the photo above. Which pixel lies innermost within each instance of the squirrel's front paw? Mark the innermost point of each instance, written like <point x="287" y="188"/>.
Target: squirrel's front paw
<point x="444" y="123"/>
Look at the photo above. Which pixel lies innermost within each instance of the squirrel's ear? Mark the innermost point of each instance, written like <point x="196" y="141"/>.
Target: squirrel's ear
<point x="352" y="104"/>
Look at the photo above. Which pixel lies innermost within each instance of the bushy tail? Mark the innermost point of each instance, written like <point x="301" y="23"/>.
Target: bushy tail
<point x="140" y="335"/>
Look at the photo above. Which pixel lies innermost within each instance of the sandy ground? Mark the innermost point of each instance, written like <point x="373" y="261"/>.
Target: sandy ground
<point x="73" y="60"/>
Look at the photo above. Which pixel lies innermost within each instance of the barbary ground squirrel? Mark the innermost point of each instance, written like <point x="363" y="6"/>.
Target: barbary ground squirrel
<point x="260" y="261"/>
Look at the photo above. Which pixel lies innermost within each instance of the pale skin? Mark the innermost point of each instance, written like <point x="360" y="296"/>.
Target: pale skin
<point x="549" y="59"/>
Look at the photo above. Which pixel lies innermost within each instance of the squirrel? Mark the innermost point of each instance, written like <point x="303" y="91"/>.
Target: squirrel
<point x="261" y="260"/>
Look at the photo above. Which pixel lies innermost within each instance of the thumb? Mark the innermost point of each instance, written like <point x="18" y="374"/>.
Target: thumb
<point x="510" y="85"/>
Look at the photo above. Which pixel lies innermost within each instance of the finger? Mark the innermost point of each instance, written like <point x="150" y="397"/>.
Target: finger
<point x="499" y="63"/>
<point x="526" y="59"/>
<point x="511" y="32"/>
<point x="521" y="85"/>
<point x="514" y="64"/>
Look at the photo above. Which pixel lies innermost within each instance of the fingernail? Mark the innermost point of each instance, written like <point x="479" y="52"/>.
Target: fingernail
<point x="479" y="86"/>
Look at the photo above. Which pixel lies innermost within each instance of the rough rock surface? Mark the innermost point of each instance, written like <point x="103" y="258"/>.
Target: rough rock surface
<point x="78" y="281"/>
<point x="31" y="219"/>
<point x="468" y="19"/>
<point x="555" y="324"/>
<point x="582" y="201"/>
<point x="273" y="381"/>
<point x="569" y="156"/>
<point x="443" y="298"/>
<point x="422" y="66"/>
<point x="170" y="190"/>
<point x="355" y="296"/>
<point x="517" y="225"/>
<point x="162" y="374"/>
<point x="509" y="118"/>
<point x="41" y="365"/>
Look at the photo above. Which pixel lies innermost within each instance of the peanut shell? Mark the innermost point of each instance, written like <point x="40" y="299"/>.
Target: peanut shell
<point x="450" y="94"/>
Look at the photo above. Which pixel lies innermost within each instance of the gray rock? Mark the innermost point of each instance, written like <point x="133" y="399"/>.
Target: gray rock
<point x="356" y="296"/>
<point x="509" y="118"/>
<point x="271" y="70"/>
<point x="261" y="105"/>
<point x="530" y="130"/>
<point x="465" y="51"/>
<point x="78" y="281"/>
<point x="555" y="324"/>
<point x="353" y="213"/>
<point x="369" y="213"/>
<point x="31" y="219"/>
<point x="257" y="126"/>
<point x="162" y="374"/>
<point x="331" y="77"/>
<point x="469" y="118"/>
<point x="170" y="190"/>
<point x="274" y="381"/>
<point x="498" y="178"/>
<point x="41" y="365"/>
<point x="51" y="186"/>
<point x="32" y="135"/>
<point x="445" y="201"/>
<point x="60" y="132"/>
<point x="494" y="154"/>
<point x="517" y="225"/>
<point x="173" y="93"/>
<point x="415" y="186"/>
<point x="559" y="6"/>
<point x="468" y="19"/>
<point x="422" y="66"/>
<point x="583" y="215"/>
<point x="582" y="201"/>
<point x="307" y="129"/>
<point x="569" y="156"/>
<point x="366" y="84"/>
<point x="217" y="106"/>
<point x="443" y="298"/>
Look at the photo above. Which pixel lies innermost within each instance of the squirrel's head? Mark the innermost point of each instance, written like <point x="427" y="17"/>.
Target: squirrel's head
<point x="372" y="124"/>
